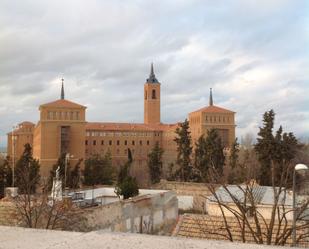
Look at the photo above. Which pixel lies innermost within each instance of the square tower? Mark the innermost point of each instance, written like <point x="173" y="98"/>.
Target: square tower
<point x="152" y="99"/>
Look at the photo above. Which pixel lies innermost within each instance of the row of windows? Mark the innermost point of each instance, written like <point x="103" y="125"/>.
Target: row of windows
<point x="53" y="115"/>
<point x="217" y="119"/>
<point x="110" y="142"/>
<point x="210" y="119"/>
<point x="125" y="152"/>
<point x="120" y="134"/>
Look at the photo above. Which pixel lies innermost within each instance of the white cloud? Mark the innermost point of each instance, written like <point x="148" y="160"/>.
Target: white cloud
<point x="254" y="53"/>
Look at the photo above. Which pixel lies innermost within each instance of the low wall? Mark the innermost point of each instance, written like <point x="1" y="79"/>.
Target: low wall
<point x="190" y="195"/>
<point x="213" y="209"/>
<point x="155" y="213"/>
<point x="8" y="214"/>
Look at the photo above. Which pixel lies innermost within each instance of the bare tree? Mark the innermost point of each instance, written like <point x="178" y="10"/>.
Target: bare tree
<point x="40" y="211"/>
<point x="242" y="207"/>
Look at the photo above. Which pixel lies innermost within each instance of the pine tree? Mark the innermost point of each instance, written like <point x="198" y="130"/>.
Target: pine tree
<point x="5" y="176"/>
<point x="209" y="154"/>
<point x="155" y="163"/>
<point x="98" y="170"/>
<point x="27" y="172"/>
<point x="275" y="152"/>
<point x="184" y="150"/>
<point x="126" y="184"/>
<point x="238" y="172"/>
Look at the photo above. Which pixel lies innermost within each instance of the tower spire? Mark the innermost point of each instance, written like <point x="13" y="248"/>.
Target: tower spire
<point x="210" y="98"/>
<point x="151" y="70"/>
<point x="62" y="89"/>
<point x="152" y="78"/>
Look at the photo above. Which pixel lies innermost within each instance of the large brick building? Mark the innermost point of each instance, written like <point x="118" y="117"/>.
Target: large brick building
<point x="62" y="128"/>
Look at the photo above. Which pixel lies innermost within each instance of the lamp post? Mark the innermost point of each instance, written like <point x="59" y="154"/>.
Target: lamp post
<point x="298" y="167"/>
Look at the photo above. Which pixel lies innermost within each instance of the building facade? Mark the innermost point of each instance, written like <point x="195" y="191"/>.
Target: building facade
<point x="63" y="128"/>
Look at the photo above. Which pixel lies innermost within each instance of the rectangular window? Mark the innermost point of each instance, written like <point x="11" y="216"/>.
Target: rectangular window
<point x="102" y="142"/>
<point x="147" y="142"/>
<point x="133" y="142"/>
<point x="118" y="142"/>
<point x="94" y="142"/>
<point x="86" y="142"/>
<point x="125" y="142"/>
<point x="110" y="142"/>
<point x="71" y="115"/>
<point x="141" y="142"/>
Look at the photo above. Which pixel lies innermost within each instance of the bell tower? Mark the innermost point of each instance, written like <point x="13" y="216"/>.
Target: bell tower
<point x="152" y="99"/>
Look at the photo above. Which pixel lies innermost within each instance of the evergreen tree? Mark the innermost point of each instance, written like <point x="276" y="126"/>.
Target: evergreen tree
<point x="264" y="147"/>
<point x="238" y="172"/>
<point x="27" y="172"/>
<point x="155" y="163"/>
<point x="233" y="158"/>
<point x="126" y="184"/>
<point x="201" y="160"/>
<point x="5" y="176"/>
<point x="275" y="152"/>
<point x="184" y="150"/>
<point x="98" y="170"/>
<point x="209" y="154"/>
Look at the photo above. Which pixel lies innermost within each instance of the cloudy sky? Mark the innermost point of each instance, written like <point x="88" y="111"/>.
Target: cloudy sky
<point x="255" y="55"/>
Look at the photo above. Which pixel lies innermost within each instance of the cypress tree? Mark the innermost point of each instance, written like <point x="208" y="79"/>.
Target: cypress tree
<point x="155" y="163"/>
<point x="184" y="150"/>
<point x="5" y="176"/>
<point x="27" y="172"/>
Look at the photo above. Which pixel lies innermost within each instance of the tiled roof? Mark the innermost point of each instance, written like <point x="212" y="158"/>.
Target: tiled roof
<point x="214" y="109"/>
<point x="26" y="123"/>
<point x="63" y="103"/>
<point x="21" y="125"/>
<point x="108" y="126"/>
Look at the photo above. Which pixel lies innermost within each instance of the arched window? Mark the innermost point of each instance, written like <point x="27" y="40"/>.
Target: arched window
<point x="153" y="94"/>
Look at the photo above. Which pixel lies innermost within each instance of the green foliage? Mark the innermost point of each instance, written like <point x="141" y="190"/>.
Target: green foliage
<point x="98" y="170"/>
<point x="233" y="158"/>
<point x="126" y="185"/>
<point x="184" y="150"/>
<point x="27" y="172"/>
<point x="238" y="170"/>
<point x="155" y="163"/>
<point x="73" y="175"/>
<point x="5" y="176"/>
<point x="209" y="154"/>
<point x="275" y="152"/>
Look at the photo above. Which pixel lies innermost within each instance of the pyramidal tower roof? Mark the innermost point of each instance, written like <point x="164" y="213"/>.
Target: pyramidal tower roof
<point x="152" y="78"/>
